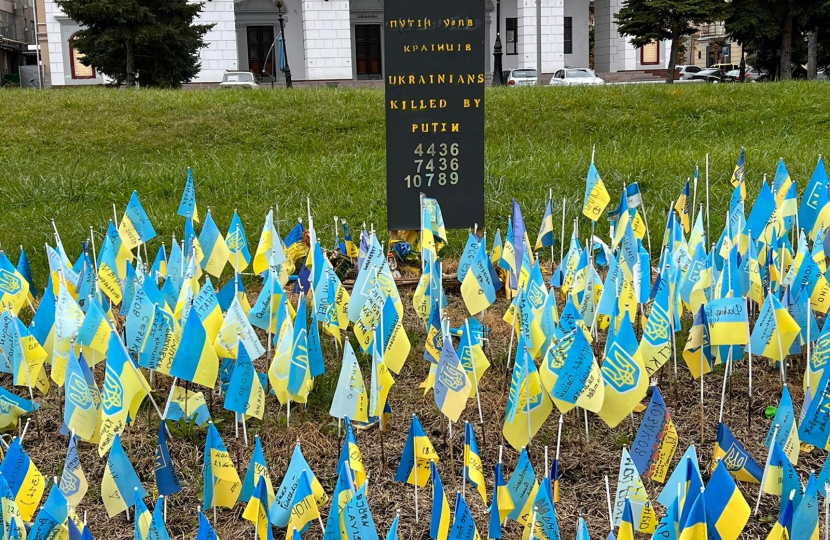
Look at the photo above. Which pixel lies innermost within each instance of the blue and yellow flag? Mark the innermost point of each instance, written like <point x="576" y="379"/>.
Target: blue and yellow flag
<point x="245" y="394"/>
<point x="787" y="433"/>
<point x="473" y="467"/>
<point x="683" y="207"/>
<point x="393" y="530"/>
<point x="418" y="452"/>
<point x="542" y="516"/>
<point x="739" y="173"/>
<point x="237" y="241"/>
<point x="500" y="506"/>
<point x="214" y="247"/>
<point x="256" y="511"/>
<point x="521" y="488"/>
<point x="295" y="246"/>
<point x="205" y="531"/>
<point x="14" y="289"/>
<point x="350" y="398"/>
<point x="728" y="321"/>
<point x="25" y="270"/>
<point x="526" y="397"/>
<point x="358" y="516"/>
<point x="124" y="390"/>
<point x="73" y="483"/>
<point x="775" y="330"/>
<point x="698" y="353"/>
<point x="196" y="359"/>
<point x="584" y="386"/>
<point x="735" y="457"/>
<point x="222" y="483"/>
<point x="439" y="525"/>
<point x="269" y="251"/>
<point x="477" y="287"/>
<point x="725" y="504"/>
<point x="624" y="374"/>
<point x="187" y="206"/>
<point x="80" y="411"/>
<point x="26" y="483"/>
<point x="463" y="525"/>
<point x="627" y="527"/>
<point x="814" y="213"/>
<point x="815" y="428"/>
<point x="120" y="481"/>
<point x="257" y="470"/>
<point x="696" y="525"/>
<point x="805" y="517"/>
<point x="350" y="455"/>
<point x="135" y="227"/>
<point x="335" y="523"/>
<point x="167" y="480"/>
<point x="452" y="385"/>
<point x="656" y="441"/>
<point x="281" y="508"/>
<point x="596" y="196"/>
<point x="545" y="237"/>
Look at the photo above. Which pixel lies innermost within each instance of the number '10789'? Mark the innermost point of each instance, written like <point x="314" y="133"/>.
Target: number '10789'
<point x="436" y="164"/>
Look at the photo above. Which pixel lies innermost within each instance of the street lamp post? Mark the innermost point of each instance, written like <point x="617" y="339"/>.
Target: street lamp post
<point x="279" y="4"/>
<point x="497" y="52"/>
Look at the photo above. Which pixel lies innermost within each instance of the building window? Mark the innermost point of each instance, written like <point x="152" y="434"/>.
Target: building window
<point x="79" y="71"/>
<point x="569" y="35"/>
<point x="699" y="55"/>
<point x="512" y="26"/>
<point x="650" y="54"/>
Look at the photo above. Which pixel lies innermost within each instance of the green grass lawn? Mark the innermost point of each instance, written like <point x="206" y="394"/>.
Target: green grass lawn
<point x="69" y="155"/>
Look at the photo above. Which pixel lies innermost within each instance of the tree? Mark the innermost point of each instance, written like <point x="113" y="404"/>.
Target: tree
<point x="645" y="21"/>
<point x="152" y="42"/>
<point x="775" y="32"/>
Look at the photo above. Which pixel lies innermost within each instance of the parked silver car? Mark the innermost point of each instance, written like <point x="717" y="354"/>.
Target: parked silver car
<point x="521" y="77"/>
<point x="575" y="77"/>
<point x="238" y="79"/>
<point x="685" y="72"/>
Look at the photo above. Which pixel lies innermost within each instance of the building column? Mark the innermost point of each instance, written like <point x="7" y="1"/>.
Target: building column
<point x="612" y="52"/>
<point x="553" y="34"/>
<point x="327" y="39"/>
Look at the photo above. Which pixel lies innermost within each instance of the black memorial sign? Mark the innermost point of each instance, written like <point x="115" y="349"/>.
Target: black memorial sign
<point x="434" y="68"/>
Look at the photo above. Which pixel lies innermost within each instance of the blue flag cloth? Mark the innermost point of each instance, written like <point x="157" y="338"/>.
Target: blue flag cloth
<point x="187" y="206"/>
<point x="521" y="484"/>
<point x="206" y="531"/>
<point x="358" y="517"/>
<point x="167" y="480"/>
<point x="463" y="526"/>
<point x="651" y="433"/>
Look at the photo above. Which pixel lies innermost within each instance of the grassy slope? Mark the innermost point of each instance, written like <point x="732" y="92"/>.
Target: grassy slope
<point x="70" y="155"/>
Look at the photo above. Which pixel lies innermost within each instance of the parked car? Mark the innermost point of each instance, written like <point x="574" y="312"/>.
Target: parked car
<point x="685" y="72"/>
<point x="725" y="67"/>
<point x="238" y="79"/>
<point x="521" y="77"/>
<point x="711" y="75"/>
<point x="575" y="77"/>
<point x="750" y="75"/>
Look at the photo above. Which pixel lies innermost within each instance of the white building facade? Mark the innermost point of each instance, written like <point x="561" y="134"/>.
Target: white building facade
<point x="342" y="40"/>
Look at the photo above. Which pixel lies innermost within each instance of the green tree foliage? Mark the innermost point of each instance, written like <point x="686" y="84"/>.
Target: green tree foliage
<point x="645" y="21"/>
<point x="150" y="42"/>
<point x="775" y="32"/>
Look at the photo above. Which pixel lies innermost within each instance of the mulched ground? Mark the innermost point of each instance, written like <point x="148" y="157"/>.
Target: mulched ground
<point x="583" y="463"/>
